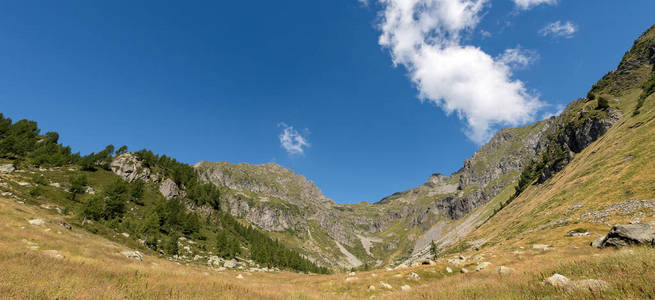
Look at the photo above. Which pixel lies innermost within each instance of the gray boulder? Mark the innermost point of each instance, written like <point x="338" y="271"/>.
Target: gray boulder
<point x="626" y="235"/>
<point x="7" y="168"/>
<point x="129" y="168"/>
<point x="169" y="189"/>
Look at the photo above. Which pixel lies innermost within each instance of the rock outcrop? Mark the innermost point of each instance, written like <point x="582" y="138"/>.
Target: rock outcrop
<point x="626" y="235"/>
<point x="7" y="168"/>
<point x="128" y="167"/>
<point x="169" y="189"/>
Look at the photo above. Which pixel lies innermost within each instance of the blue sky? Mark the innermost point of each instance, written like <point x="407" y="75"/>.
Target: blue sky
<point x="224" y="81"/>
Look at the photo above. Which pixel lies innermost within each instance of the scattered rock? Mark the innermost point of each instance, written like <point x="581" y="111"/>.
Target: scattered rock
<point x="558" y="280"/>
<point x="231" y="264"/>
<point x="449" y="270"/>
<point x="481" y="266"/>
<point x="463" y="270"/>
<point x="351" y="278"/>
<point x="371" y="288"/>
<point x="405" y="288"/>
<point x="53" y="254"/>
<point x="89" y="190"/>
<point x="351" y="274"/>
<point x="125" y="234"/>
<point x="133" y="254"/>
<point x="540" y="246"/>
<point x="25" y="184"/>
<point x="36" y="222"/>
<point x="385" y="285"/>
<point x="66" y="225"/>
<point x="55" y="184"/>
<point x="7" y="168"/>
<point x="414" y="276"/>
<point x="502" y="270"/>
<point x="591" y="284"/>
<point x="239" y="276"/>
<point x="625" y="235"/>
<point x="575" y="233"/>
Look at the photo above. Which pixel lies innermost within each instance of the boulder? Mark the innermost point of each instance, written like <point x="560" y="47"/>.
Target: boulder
<point x="598" y="243"/>
<point x="371" y="288"/>
<point x="169" y="189"/>
<point x="414" y="276"/>
<point x="626" y="235"/>
<point x="7" y="168"/>
<point x="351" y="278"/>
<point x="558" y="280"/>
<point x="502" y="270"/>
<point x="463" y="270"/>
<point x="449" y="270"/>
<point x="239" y="276"/>
<point x="385" y="285"/>
<point x="405" y="288"/>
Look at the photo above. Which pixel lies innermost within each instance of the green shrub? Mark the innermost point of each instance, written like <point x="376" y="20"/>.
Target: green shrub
<point x="603" y="103"/>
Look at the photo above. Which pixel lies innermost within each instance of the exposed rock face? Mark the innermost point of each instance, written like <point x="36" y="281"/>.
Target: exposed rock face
<point x="169" y="189"/>
<point x="129" y="168"/>
<point x="626" y="235"/>
<point x="7" y="168"/>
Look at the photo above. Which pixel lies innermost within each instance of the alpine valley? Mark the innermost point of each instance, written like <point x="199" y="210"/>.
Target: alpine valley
<point x="562" y="208"/>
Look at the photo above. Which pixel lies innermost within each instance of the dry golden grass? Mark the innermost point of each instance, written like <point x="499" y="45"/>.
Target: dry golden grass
<point x="93" y="268"/>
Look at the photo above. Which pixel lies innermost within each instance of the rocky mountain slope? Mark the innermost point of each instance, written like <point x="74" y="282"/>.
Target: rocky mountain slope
<point x="445" y="209"/>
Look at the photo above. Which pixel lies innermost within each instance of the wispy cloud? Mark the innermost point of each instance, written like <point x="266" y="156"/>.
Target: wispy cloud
<point x="291" y="140"/>
<point x="528" y="4"/>
<point x="425" y="36"/>
<point x="518" y="58"/>
<point x="559" y="29"/>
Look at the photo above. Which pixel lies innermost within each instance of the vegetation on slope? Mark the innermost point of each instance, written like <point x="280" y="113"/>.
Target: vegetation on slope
<point x="137" y="208"/>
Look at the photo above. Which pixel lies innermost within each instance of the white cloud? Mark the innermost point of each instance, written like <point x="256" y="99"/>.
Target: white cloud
<point x="291" y="140"/>
<point x="528" y="4"/>
<point x="559" y="29"/>
<point x="363" y="2"/>
<point x="425" y="36"/>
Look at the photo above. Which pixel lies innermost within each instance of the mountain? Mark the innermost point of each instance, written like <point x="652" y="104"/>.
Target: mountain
<point x="528" y="214"/>
<point x="445" y="209"/>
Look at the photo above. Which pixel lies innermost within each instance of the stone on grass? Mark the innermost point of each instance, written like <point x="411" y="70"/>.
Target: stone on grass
<point x="540" y="247"/>
<point x="414" y="275"/>
<point x="405" y="288"/>
<point x="558" y="280"/>
<point x="7" y="168"/>
<point x="481" y="266"/>
<point x="463" y="270"/>
<point x="502" y="270"/>
<point x="449" y="270"/>
<point x="385" y="285"/>
<point x="133" y="254"/>
<point x="36" y="222"/>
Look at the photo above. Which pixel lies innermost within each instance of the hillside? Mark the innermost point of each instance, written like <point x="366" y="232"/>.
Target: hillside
<point x="527" y="205"/>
